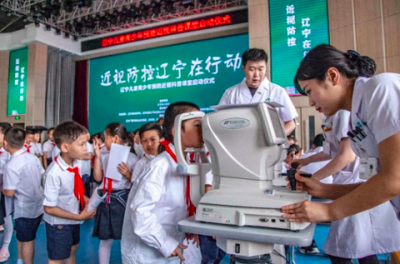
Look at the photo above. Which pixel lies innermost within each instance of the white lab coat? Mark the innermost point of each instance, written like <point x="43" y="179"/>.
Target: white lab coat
<point x="155" y="205"/>
<point x="374" y="231"/>
<point x="376" y="107"/>
<point x="267" y="92"/>
<point x="315" y="166"/>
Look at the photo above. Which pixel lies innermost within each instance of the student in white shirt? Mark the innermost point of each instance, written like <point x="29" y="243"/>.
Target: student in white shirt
<point x="159" y="199"/>
<point x="48" y="148"/>
<point x="64" y="202"/>
<point x="340" y="81"/>
<point x="136" y="144"/>
<point x="150" y="136"/>
<point x="87" y="160"/>
<point x="37" y="142"/>
<point x="29" y="145"/>
<point x="21" y="180"/>
<point x="257" y="88"/>
<point x="6" y="202"/>
<point x="110" y="213"/>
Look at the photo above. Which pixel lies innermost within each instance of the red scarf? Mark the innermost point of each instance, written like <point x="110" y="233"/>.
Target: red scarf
<point x="191" y="209"/>
<point x="54" y="144"/>
<point x="79" y="189"/>
<point x="28" y="148"/>
<point x="109" y="189"/>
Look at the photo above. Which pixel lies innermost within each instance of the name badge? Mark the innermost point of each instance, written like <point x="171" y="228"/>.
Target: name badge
<point x="368" y="168"/>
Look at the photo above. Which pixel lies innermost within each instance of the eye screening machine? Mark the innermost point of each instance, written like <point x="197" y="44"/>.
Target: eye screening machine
<point x="247" y="147"/>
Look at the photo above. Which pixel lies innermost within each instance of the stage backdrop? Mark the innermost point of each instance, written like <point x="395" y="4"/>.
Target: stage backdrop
<point x="135" y="88"/>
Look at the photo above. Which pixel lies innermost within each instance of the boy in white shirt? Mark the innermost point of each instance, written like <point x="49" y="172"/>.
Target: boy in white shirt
<point x="5" y="208"/>
<point x="64" y="194"/>
<point x="48" y="148"/>
<point x="22" y="175"/>
<point x="29" y="145"/>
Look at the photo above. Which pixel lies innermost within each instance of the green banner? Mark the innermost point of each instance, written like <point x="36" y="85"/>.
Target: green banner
<point x="135" y="88"/>
<point x="296" y="27"/>
<point x="17" y="82"/>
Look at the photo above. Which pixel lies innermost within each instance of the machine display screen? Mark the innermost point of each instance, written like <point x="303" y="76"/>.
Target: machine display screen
<point x="135" y="88"/>
<point x="276" y="123"/>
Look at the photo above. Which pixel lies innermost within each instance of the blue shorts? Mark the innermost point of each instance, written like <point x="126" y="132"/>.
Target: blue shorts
<point x="26" y="228"/>
<point x="60" y="239"/>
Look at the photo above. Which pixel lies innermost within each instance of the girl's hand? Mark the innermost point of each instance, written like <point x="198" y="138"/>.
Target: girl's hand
<point x="96" y="149"/>
<point x="124" y="170"/>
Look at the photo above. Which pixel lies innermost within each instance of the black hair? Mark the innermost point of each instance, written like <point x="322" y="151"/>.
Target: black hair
<point x="156" y="127"/>
<point x="254" y="54"/>
<point x="136" y="131"/>
<point x="118" y="129"/>
<point x="15" y="137"/>
<point x="292" y="137"/>
<point x="50" y="129"/>
<point x="293" y="148"/>
<point x="4" y="126"/>
<point x="29" y="132"/>
<point x="68" y="132"/>
<point x="99" y="136"/>
<point x="151" y="126"/>
<point x="317" y="62"/>
<point x="319" y="140"/>
<point x="171" y="112"/>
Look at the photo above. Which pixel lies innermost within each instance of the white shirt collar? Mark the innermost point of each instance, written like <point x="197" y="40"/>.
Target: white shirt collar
<point x="19" y="152"/>
<point x="63" y="165"/>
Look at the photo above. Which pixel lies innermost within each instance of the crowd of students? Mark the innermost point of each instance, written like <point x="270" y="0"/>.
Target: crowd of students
<point x="141" y="210"/>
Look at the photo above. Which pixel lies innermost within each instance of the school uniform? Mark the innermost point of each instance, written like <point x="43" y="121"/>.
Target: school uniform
<point x="31" y="148"/>
<point x="156" y="204"/>
<point x="86" y="164"/>
<point x="23" y="174"/>
<point x="140" y="165"/>
<point x="5" y="202"/>
<point x="138" y="149"/>
<point x="110" y="213"/>
<point x="39" y="148"/>
<point x="61" y="233"/>
<point x="366" y="233"/>
<point x="55" y="152"/>
<point x="266" y="92"/>
<point x="48" y="147"/>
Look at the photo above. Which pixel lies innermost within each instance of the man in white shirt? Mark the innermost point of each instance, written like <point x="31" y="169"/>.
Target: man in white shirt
<point x="257" y="88"/>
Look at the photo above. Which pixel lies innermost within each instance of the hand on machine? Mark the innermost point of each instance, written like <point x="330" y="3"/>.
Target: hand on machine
<point x="291" y="175"/>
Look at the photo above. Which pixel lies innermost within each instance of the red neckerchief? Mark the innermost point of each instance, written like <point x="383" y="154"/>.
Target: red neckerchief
<point x="79" y="189"/>
<point x="54" y="144"/>
<point x="28" y="148"/>
<point x="1" y="152"/>
<point x="191" y="209"/>
<point x="109" y="189"/>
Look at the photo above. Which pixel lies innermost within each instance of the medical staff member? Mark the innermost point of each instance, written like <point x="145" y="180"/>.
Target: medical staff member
<point x="333" y="81"/>
<point x="353" y="237"/>
<point x="257" y="88"/>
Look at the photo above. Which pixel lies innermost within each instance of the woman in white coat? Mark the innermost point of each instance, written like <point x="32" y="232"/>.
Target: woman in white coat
<point x="350" y="237"/>
<point x="159" y="199"/>
<point x="333" y="81"/>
